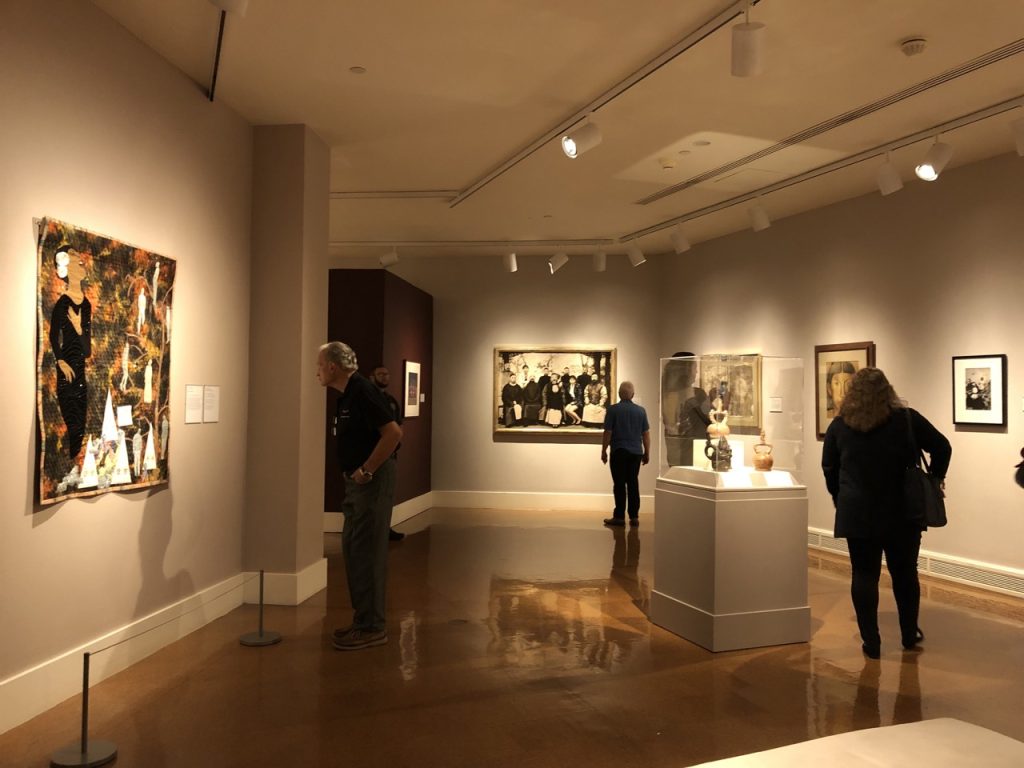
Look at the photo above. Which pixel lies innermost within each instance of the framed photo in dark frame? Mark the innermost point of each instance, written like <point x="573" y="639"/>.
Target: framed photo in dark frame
<point x="979" y="390"/>
<point x="834" y="366"/>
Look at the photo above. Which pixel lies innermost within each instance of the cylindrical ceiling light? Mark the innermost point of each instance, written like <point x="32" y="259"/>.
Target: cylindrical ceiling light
<point x="759" y="219"/>
<point x="888" y="178"/>
<point x="934" y="161"/>
<point x="600" y="261"/>
<point x="680" y="243"/>
<point x="557" y="261"/>
<point x="636" y="256"/>
<point x="584" y="138"/>
<point x="1017" y="126"/>
<point x="510" y="262"/>
<point x="748" y="47"/>
<point x="390" y="258"/>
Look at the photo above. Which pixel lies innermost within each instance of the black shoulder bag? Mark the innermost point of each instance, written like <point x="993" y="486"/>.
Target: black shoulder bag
<point x="922" y="493"/>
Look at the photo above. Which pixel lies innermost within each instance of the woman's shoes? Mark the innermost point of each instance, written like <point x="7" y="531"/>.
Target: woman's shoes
<point x="871" y="651"/>
<point x="912" y="643"/>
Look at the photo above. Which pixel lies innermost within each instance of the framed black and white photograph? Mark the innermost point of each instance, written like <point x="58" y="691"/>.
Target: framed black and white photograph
<point x="552" y="389"/>
<point x="834" y="366"/>
<point x="979" y="390"/>
<point x="411" y="392"/>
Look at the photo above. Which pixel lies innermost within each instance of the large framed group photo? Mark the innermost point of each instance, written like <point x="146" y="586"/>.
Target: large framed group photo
<point x="553" y="389"/>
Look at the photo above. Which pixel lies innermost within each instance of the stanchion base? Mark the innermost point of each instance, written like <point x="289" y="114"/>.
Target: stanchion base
<point x="97" y="753"/>
<point x="255" y="639"/>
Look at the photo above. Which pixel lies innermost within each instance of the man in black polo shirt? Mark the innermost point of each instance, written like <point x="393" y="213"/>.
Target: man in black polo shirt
<point x="367" y="436"/>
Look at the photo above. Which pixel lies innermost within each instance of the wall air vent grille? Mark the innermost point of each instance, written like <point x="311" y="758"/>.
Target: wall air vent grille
<point x="1004" y="582"/>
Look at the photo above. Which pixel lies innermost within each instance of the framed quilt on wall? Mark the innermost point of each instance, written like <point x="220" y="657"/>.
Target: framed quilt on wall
<point x="103" y="364"/>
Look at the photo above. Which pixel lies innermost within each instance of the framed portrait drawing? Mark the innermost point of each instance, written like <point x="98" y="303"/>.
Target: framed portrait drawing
<point x="979" y="390"/>
<point x="548" y="390"/>
<point x="411" y="390"/>
<point x="736" y="380"/>
<point x="834" y="366"/>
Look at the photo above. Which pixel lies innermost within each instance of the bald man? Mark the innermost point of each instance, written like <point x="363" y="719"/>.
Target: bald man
<point x="628" y="433"/>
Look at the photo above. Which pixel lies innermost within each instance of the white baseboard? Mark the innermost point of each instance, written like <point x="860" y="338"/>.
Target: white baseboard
<point x="286" y="588"/>
<point x="28" y="693"/>
<point x="583" y="502"/>
<point x="334" y="521"/>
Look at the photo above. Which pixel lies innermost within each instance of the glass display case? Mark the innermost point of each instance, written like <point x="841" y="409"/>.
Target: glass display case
<point x="732" y="420"/>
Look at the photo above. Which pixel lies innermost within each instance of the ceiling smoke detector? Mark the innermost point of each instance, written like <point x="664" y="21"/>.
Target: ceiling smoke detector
<point x="913" y="46"/>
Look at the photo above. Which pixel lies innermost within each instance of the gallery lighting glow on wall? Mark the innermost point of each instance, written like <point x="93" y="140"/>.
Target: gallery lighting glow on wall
<point x="759" y="219"/>
<point x="1017" y="126"/>
<point x="510" y="262"/>
<point x="600" y="261"/>
<point x="584" y="138"/>
<point x="680" y="243"/>
<point x="888" y="178"/>
<point x="390" y="258"/>
<point x="636" y="256"/>
<point x="557" y="261"/>
<point x="934" y="161"/>
<point x="748" y="46"/>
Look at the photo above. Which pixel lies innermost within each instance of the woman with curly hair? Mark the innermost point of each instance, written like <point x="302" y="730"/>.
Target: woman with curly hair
<point x="867" y="449"/>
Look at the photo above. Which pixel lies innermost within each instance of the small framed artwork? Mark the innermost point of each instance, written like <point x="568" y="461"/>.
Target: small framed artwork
<point x="834" y="366"/>
<point x="736" y="381"/>
<point x="413" y="384"/>
<point x="979" y="390"/>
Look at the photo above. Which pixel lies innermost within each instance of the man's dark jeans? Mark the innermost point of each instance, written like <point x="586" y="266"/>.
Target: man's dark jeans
<point x="625" y="468"/>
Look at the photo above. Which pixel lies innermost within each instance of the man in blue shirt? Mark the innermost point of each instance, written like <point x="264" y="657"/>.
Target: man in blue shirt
<point x="628" y="433"/>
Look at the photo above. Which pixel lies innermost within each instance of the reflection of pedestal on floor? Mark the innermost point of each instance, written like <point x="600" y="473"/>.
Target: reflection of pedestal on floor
<point x="730" y="558"/>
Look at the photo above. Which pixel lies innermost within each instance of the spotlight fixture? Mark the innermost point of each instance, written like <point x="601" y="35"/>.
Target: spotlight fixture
<point x="888" y="178"/>
<point x="584" y="138"/>
<point x="680" y="243"/>
<point x="748" y="43"/>
<point x="934" y="161"/>
<point x="600" y="261"/>
<point x="557" y="261"/>
<point x="1017" y="126"/>
<point x="510" y="261"/>
<point x="759" y="219"/>
<point x="636" y="256"/>
<point x="389" y="259"/>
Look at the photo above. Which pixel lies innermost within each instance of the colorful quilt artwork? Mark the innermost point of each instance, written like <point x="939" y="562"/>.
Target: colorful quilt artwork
<point x="103" y="365"/>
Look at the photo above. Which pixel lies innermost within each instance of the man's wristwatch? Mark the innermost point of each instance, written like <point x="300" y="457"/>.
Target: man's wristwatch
<point x="368" y="475"/>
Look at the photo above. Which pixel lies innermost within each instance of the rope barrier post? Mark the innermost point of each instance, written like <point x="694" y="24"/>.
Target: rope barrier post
<point x="260" y="638"/>
<point x="83" y="753"/>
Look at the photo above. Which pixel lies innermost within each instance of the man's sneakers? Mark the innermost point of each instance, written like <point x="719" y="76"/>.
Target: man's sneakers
<point x="356" y="639"/>
<point x="618" y="522"/>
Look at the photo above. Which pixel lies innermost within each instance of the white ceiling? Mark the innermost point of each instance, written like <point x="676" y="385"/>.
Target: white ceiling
<point x="454" y="89"/>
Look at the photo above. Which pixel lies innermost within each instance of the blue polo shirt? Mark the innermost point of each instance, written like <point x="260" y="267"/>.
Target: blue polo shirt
<point x="627" y="422"/>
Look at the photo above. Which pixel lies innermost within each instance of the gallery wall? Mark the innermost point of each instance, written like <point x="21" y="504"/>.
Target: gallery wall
<point x="930" y="272"/>
<point x="101" y="132"/>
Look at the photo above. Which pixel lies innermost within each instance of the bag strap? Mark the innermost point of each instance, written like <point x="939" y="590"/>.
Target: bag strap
<point x="915" y="451"/>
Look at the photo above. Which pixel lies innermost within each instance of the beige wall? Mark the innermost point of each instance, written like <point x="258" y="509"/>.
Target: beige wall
<point x="99" y="131"/>
<point x="933" y="271"/>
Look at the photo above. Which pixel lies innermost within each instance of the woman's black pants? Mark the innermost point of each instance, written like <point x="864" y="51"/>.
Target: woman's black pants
<point x="901" y="548"/>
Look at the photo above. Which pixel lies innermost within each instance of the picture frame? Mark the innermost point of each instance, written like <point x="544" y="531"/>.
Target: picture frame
<point x="834" y="366"/>
<point x="413" y="385"/>
<point x="979" y="390"/>
<point x="580" y="385"/>
<point x="736" y="379"/>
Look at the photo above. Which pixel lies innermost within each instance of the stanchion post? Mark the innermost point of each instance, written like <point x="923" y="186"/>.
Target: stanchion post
<point x="260" y="638"/>
<point x="83" y="753"/>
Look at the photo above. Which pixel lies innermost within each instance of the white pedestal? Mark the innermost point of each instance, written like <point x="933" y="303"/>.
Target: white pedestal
<point x="730" y="558"/>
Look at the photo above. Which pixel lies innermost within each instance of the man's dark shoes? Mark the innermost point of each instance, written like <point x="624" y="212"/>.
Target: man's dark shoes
<point x="615" y="521"/>
<point x="357" y="639"/>
<point x="912" y="643"/>
<point x="394" y="535"/>
<point x="871" y="651"/>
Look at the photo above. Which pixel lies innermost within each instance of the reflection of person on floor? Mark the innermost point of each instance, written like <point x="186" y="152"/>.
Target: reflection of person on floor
<point x="71" y="344"/>
<point x="367" y="436"/>
<point x="382" y="377"/>
<point x="864" y="459"/>
<point x="628" y="433"/>
<point x="625" y="559"/>
<point x="512" y="402"/>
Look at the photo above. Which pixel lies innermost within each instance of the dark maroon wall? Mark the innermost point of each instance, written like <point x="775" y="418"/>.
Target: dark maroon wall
<point x="385" y="320"/>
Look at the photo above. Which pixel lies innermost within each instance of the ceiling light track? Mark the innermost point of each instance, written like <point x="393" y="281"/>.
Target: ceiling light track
<point x="992" y="57"/>
<point x="905" y="141"/>
<point x="723" y="17"/>
<point x="402" y="194"/>
<point x="471" y="243"/>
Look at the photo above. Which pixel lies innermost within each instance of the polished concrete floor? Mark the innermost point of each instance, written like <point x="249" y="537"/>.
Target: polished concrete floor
<point x="520" y="639"/>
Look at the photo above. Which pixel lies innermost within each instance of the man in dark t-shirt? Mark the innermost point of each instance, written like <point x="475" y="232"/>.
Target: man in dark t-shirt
<point x="628" y="433"/>
<point x="367" y="437"/>
<point x="381" y="376"/>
